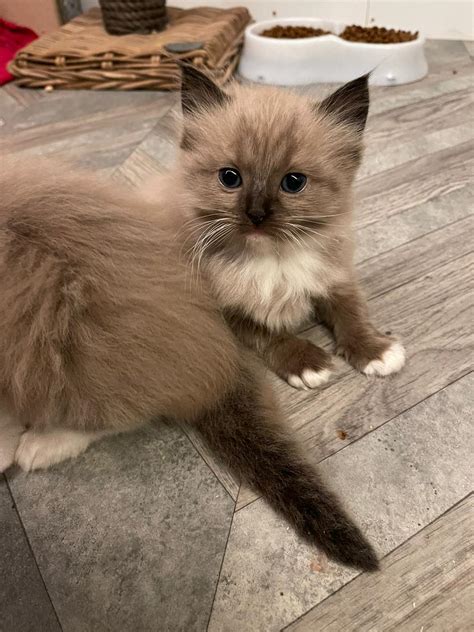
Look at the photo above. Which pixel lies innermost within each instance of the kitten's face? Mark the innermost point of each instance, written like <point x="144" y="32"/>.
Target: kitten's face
<point x="265" y="167"/>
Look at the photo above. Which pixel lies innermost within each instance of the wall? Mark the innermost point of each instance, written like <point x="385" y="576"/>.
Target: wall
<point x="448" y="19"/>
<point x="40" y="15"/>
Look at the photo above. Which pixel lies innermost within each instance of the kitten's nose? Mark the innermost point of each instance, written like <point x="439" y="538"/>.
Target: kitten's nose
<point x="256" y="217"/>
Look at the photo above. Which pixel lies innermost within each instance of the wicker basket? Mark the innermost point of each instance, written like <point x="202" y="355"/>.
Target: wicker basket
<point x="82" y="55"/>
<point x="133" y="16"/>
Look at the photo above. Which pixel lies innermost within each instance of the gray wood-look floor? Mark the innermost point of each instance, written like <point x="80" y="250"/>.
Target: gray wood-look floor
<point x="147" y="532"/>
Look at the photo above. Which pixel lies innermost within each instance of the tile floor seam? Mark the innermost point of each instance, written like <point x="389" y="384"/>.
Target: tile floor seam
<point x="30" y="547"/>
<point x="221" y="567"/>
<point x="369" y="432"/>
<point x="234" y="500"/>
<point x="140" y="142"/>
<point x="426" y="526"/>
<point x="402" y="412"/>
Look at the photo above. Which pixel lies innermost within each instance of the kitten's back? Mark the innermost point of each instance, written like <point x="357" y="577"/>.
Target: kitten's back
<point x="96" y="302"/>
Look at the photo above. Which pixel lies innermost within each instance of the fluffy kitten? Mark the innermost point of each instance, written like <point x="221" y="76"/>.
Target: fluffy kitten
<point x="102" y="330"/>
<point x="265" y="196"/>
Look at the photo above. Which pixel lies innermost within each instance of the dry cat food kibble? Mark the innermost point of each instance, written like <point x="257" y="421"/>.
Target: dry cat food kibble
<point x="353" y="33"/>
<point x="376" y="35"/>
<point x="293" y="32"/>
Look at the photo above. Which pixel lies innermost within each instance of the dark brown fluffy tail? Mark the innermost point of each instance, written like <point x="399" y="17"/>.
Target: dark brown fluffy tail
<point x="245" y="431"/>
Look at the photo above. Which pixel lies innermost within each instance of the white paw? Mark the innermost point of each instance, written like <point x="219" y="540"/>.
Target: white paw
<point x="309" y="379"/>
<point x="10" y="434"/>
<point x="38" y="450"/>
<point x="391" y="361"/>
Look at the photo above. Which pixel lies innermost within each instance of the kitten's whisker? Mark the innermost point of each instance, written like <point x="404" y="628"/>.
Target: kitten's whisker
<point x="203" y="228"/>
<point x="295" y="238"/>
<point x="325" y="246"/>
<point x="212" y="235"/>
<point x="197" y="223"/>
<point x="195" y="252"/>
<point x="192" y="231"/>
<point x="322" y="221"/>
<point x="207" y="241"/>
<point x="311" y="231"/>
<point x="308" y="230"/>
<point x="200" y="218"/>
<point x="300" y="231"/>
<point x="331" y="238"/>
<point x="214" y="239"/>
<point x="200" y="226"/>
<point x="289" y="238"/>
<point x="315" y="219"/>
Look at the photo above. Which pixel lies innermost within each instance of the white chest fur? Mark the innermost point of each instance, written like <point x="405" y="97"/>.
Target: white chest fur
<point x="273" y="289"/>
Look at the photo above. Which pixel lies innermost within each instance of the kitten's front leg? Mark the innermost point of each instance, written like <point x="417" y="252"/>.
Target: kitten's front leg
<point x="296" y="360"/>
<point x="345" y="311"/>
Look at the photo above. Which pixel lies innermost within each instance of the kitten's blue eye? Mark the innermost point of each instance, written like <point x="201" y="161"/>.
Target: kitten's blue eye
<point x="230" y="178"/>
<point x="293" y="182"/>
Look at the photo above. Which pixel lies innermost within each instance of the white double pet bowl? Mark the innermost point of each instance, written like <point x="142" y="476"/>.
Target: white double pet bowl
<point x="326" y="58"/>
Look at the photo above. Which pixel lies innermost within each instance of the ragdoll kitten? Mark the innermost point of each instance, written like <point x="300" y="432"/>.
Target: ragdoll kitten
<point x="102" y="329"/>
<point x="265" y="183"/>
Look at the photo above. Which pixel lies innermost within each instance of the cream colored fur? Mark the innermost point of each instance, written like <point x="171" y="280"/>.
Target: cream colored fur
<point x="274" y="288"/>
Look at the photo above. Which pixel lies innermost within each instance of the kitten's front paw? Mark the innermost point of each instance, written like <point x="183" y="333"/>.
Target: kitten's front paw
<point x="391" y="361"/>
<point x="309" y="378"/>
<point x="39" y="450"/>
<point x="377" y="355"/>
<point x="302" y="364"/>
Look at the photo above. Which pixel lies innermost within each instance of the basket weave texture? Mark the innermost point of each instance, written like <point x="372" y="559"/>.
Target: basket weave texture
<point x="133" y="16"/>
<point x="82" y="55"/>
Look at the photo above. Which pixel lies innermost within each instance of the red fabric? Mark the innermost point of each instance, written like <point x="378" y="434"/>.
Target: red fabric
<point x="12" y="38"/>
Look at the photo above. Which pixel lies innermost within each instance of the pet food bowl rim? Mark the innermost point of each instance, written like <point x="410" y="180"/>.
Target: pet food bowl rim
<point x="250" y="33"/>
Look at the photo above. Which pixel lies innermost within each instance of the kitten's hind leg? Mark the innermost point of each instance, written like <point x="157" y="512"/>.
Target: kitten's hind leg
<point x="39" y="450"/>
<point x="371" y="352"/>
<point x="10" y="435"/>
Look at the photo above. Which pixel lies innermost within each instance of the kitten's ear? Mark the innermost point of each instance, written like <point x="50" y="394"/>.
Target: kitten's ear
<point x="350" y="103"/>
<point x="198" y="91"/>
